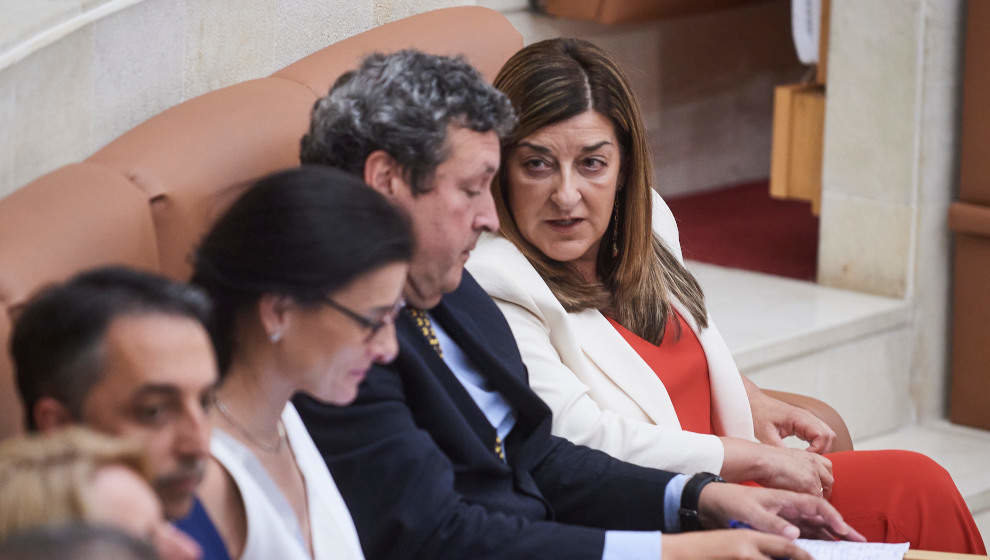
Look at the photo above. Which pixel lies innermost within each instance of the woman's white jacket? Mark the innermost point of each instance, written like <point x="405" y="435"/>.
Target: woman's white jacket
<point x="602" y="393"/>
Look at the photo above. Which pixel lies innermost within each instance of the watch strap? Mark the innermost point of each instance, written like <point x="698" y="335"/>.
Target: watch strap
<point x="688" y="513"/>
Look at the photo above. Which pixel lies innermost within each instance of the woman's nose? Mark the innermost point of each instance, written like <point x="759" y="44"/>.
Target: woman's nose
<point x="566" y="194"/>
<point x="384" y="346"/>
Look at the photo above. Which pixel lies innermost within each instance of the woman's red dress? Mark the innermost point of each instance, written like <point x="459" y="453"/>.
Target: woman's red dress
<point x="888" y="496"/>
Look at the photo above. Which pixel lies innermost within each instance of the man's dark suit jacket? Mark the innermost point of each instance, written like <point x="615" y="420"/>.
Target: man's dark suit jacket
<point x="413" y="456"/>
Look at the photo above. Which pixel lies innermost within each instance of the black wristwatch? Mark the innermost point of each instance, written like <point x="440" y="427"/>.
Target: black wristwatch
<point x="688" y="513"/>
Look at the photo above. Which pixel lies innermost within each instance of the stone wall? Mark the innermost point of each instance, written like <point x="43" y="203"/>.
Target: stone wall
<point x="75" y="75"/>
<point x="891" y="166"/>
<point x="705" y="83"/>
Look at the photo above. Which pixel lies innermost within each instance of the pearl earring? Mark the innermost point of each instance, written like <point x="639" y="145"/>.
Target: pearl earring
<point x="275" y="336"/>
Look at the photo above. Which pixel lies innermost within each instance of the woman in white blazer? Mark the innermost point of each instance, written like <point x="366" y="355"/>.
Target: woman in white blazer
<point x="586" y="246"/>
<point x="305" y="271"/>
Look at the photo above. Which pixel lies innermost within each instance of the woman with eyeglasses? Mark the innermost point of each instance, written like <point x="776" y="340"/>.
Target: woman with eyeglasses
<point x="305" y="270"/>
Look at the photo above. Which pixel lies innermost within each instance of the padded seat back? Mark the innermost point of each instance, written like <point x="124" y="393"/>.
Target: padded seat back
<point x="146" y="198"/>
<point x="77" y="217"/>
<point x="193" y="160"/>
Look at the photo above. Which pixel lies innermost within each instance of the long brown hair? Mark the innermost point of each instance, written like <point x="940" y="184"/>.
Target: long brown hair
<point x="552" y="81"/>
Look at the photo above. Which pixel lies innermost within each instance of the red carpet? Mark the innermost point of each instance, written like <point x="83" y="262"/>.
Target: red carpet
<point x="742" y="227"/>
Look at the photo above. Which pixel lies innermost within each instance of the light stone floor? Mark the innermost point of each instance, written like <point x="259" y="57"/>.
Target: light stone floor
<point x="779" y="317"/>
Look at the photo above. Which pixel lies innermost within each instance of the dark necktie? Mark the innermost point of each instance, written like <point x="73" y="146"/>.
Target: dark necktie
<point x="425" y="328"/>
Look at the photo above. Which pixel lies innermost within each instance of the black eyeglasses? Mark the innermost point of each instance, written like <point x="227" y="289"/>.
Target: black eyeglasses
<point x="373" y="326"/>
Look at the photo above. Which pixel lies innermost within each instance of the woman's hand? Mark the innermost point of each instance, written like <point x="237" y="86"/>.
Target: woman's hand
<point x="729" y="545"/>
<point x="780" y="512"/>
<point x="774" y="420"/>
<point x="777" y="467"/>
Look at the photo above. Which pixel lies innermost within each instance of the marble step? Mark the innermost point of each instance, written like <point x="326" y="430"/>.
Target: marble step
<point x="843" y="347"/>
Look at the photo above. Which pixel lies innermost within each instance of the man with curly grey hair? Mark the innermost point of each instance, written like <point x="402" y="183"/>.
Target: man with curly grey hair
<point x="447" y="452"/>
<point x="423" y="130"/>
<point x="379" y="108"/>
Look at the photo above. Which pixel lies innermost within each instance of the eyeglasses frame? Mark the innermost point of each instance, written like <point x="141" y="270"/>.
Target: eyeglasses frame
<point x="374" y="327"/>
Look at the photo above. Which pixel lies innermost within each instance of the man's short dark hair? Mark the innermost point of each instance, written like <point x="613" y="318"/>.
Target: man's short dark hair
<point x="76" y="541"/>
<point x="402" y="103"/>
<point x="57" y="341"/>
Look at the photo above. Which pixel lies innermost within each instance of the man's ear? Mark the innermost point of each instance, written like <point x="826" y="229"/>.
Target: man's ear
<point x="50" y="415"/>
<point x="383" y="173"/>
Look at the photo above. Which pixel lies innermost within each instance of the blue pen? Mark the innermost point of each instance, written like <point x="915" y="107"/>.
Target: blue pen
<point x="733" y="524"/>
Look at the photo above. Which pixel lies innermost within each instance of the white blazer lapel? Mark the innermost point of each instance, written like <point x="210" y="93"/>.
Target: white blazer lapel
<point x="731" y="415"/>
<point x="619" y="361"/>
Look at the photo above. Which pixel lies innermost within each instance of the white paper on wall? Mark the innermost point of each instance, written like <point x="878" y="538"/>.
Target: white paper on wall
<point x="806" y="17"/>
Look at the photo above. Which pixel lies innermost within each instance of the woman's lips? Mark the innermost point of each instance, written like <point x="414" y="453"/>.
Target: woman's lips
<point x="564" y="224"/>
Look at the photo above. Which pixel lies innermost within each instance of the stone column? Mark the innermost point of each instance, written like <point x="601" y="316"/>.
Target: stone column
<point x="891" y="165"/>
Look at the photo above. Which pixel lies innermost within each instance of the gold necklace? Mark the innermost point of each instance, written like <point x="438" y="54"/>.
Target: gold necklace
<point x="263" y="445"/>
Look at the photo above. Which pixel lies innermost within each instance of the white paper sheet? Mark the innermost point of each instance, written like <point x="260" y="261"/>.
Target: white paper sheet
<point x="805" y="28"/>
<point x="845" y="550"/>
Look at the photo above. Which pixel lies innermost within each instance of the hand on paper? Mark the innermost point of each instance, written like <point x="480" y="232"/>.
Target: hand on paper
<point x="730" y="545"/>
<point x="780" y="512"/>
